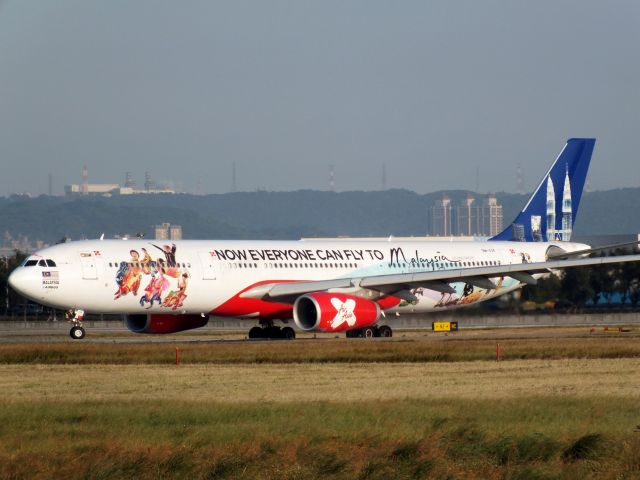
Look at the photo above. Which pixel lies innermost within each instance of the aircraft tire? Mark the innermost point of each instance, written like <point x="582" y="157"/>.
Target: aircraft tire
<point x="288" y="333"/>
<point x="385" y="331"/>
<point x="256" y="332"/>
<point x="271" y="332"/>
<point x="369" y="332"/>
<point x="77" y="333"/>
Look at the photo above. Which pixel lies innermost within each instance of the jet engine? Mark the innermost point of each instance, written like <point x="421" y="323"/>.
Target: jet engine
<point x="333" y="312"/>
<point x="163" y="323"/>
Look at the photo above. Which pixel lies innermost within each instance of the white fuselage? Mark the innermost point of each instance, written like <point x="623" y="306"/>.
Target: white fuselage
<point x="206" y="277"/>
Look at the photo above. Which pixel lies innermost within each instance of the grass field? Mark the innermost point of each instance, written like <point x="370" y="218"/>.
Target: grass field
<point x="326" y="409"/>
<point x="538" y="437"/>
<point x="334" y="382"/>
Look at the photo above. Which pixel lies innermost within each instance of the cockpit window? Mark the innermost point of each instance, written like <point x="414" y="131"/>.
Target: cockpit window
<point x="50" y="263"/>
<point x="30" y="263"/>
<point x="41" y="263"/>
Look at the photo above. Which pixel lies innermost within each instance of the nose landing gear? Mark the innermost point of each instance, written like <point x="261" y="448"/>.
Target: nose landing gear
<point x="77" y="332"/>
<point x="75" y="317"/>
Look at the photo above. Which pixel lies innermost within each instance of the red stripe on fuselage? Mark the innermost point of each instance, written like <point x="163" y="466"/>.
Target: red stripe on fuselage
<point x="237" y="306"/>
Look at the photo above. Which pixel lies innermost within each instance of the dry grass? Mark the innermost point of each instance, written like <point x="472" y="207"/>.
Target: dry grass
<point x="540" y="437"/>
<point x="415" y="349"/>
<point x="323" y="382"/>
<point x="569" y="409"/>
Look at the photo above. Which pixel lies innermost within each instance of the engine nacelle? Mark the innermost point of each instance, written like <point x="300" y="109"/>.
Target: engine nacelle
<point x="163" y="322"/>
<point x="333" y="312"/>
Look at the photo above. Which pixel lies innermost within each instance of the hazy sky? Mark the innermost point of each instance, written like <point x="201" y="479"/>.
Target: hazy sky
<point x="444" y="93"/>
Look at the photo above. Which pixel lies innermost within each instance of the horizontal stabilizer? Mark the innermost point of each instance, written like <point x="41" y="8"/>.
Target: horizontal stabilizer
<point x="589" y="251"/>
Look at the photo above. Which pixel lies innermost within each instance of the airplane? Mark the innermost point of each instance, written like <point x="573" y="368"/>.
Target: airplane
<point x="355" y="286"/>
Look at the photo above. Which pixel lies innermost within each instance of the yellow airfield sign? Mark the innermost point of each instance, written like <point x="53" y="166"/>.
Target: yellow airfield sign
<point x="444" y="326"/>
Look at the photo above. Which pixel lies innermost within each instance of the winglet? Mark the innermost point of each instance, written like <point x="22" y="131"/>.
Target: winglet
<point x="551" y="211"/>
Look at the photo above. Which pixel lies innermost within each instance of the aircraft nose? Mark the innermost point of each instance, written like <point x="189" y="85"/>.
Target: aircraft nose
<point x="19" y="281"/>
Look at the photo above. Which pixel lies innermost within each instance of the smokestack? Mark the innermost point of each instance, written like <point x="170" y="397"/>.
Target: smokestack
<point x="233" y="177"/>
<point x="332" y="179"/>
<point x="519" y="180"/>
<point x="85" y="180"/>
<point x="384" y="177"/>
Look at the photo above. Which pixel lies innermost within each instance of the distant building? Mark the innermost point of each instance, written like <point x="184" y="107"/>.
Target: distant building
<point x="468" y="219"/>
<point x="441" y="217"/>
<point x="109" y="189"/>
<point x="491" y="216"/>
<point x="90" y="188"/>
<point x="166" y="231"/>
<point x="129" y="182"/>
<point x="162" y="231"/>
<point x="175" y="232"/>
<point x="149" y="183"/>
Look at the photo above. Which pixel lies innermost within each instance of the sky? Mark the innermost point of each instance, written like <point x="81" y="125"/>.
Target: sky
<point x="441" y="94"/>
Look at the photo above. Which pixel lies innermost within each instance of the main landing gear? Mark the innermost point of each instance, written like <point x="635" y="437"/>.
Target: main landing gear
<point x="370" y="332"/>
<point x="76" y="317"/>
<point x="269" y="331"/>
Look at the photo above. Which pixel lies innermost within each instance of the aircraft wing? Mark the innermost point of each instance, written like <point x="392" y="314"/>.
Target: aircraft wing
<point x="399" y="284"/>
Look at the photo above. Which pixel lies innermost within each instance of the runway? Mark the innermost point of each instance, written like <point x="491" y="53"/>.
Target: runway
<point x="115" y="333"/>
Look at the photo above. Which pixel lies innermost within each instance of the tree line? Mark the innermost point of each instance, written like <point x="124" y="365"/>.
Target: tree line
<point x="279" y="215"/>
<point x="9" y="299"/>
<point x="612" y="285"/>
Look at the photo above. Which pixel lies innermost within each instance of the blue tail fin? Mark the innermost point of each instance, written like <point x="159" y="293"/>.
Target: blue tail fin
<point x="551" y="211"/>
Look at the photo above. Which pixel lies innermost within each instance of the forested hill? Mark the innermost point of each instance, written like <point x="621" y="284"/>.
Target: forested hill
<point x="285" y="215"/>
